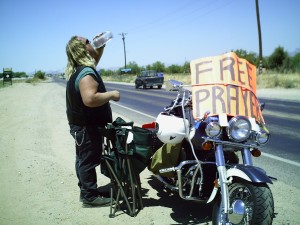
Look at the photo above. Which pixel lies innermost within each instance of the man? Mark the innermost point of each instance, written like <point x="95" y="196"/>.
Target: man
<point x="88" y="108"/>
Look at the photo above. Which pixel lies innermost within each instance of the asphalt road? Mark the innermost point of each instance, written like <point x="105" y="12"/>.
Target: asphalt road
<point x="280" y="155"/>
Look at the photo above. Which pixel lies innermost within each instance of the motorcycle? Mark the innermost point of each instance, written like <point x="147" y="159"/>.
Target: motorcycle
<point x="218" y="126"/>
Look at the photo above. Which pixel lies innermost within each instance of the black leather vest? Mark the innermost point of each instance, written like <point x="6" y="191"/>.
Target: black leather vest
<point x="77" y="112"/>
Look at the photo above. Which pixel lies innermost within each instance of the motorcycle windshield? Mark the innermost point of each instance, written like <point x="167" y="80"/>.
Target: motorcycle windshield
<point x="224" y="84"/>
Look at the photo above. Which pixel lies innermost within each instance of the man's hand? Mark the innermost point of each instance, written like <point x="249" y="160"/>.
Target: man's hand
<point x="115" y="95"/>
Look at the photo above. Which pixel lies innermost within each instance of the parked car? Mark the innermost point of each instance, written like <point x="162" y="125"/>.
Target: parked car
<point x="149" y="78"/>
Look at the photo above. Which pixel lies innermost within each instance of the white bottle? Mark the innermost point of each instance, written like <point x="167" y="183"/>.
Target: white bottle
<point x="102" y="39"/>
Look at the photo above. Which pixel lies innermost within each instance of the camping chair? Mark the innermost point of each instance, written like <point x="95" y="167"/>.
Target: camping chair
<point x="127" y="151"/>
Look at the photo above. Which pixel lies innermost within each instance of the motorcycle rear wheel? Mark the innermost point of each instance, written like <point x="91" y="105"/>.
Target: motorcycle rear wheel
<point x="257" y="198"/>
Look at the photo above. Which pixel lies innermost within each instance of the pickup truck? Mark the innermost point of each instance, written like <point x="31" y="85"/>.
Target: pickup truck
<point x="149" y="78"/>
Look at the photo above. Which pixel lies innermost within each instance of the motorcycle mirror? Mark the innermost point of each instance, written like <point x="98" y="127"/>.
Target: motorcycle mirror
<point x="262" y="106"/>
<point x="173" y="85"/>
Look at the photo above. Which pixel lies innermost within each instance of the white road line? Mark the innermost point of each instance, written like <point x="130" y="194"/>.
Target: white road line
<point x="263" y="153"/>
<point x="144" y="114"/>
<point x="280" y="159"/>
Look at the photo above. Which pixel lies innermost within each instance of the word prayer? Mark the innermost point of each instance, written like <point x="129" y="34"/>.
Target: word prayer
<point x="224" y="84"/>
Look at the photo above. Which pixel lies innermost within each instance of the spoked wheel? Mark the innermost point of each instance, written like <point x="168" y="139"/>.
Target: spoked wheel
<point x="252" y="204"/>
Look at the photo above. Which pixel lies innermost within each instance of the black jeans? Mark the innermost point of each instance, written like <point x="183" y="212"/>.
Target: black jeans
<point x="88" y="155"/>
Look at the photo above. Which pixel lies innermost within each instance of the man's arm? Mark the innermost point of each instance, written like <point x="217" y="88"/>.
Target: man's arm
<point x="91" y="98"/>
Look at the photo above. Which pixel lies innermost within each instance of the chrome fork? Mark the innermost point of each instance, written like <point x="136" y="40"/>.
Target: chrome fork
<point x="247" y="157"/>
<point x="220" y="161"/>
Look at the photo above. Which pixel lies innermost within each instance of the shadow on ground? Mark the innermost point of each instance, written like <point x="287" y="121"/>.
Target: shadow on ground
<point x="183" y="211"/>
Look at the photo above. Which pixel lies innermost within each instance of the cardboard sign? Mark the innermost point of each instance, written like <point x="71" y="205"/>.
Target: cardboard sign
<point x="224" y="84"/>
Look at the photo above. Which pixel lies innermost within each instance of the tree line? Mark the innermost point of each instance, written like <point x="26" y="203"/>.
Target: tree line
<point x="278" y="61"/>
<point x="37" y="75"/>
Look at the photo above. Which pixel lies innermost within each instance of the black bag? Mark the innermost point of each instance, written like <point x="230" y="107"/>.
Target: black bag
<point x="139" y="150"/>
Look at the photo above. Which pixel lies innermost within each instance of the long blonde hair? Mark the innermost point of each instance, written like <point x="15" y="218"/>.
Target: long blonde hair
<point x="77" y="56"/>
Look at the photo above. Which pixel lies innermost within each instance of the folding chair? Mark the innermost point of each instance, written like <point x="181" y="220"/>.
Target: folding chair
<point x="122" y="163"/>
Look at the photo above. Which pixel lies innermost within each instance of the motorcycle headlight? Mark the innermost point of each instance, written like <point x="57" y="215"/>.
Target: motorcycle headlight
<point x="239" y="128"/>
<point x="262" y="137"/>
<point x="213" y="129"/>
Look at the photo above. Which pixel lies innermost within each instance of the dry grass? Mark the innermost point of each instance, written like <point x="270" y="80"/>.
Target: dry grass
<point x="272" y="80"/>
<point x="264" y="80"/>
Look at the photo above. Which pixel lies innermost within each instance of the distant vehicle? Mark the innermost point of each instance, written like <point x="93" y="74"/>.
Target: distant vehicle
<point x="125" y="71"/>
<point x="149" y="78"/>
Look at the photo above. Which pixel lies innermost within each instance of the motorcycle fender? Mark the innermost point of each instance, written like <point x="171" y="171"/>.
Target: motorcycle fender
<point x="249" y="173"/>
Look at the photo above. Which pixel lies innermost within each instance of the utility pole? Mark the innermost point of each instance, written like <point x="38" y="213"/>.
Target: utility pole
<point x="123" y="37"/>
<point x="259" y="37"/>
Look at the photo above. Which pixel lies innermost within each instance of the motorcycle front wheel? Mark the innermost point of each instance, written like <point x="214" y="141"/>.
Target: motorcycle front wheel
<point x="255" y="200"/>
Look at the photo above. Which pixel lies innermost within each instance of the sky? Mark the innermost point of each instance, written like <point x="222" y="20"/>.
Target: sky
<point x="34" y="33"/>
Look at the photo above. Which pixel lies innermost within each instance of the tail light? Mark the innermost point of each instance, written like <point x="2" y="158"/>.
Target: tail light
<point x="152" y="125"/>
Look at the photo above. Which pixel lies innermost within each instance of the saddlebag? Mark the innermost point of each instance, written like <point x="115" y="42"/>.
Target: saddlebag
<point x="166" y="156"/>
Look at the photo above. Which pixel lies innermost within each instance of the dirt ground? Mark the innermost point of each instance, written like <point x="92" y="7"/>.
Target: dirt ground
<point x="38" y="181"/>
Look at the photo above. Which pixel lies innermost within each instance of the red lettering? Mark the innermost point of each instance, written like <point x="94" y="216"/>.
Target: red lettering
<point x="198" y="70"/>
<point x="217" y="93"/>
<point x="252" y="104"/>
<point x="245" y="97"/>
<point x="228" y="67"/>
<point x="240" y="73"/>
<point x="231" y="98"/>
<point x="205" y="94"/>
<point x="249" y="69"/>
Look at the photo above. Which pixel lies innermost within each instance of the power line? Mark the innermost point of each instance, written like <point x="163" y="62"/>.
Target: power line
<point x="159" y="19"/>
<point x="182" y="15"/>
<point x="178" y="14"/>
